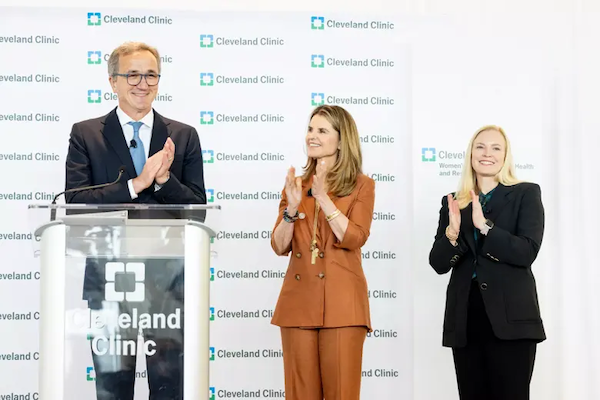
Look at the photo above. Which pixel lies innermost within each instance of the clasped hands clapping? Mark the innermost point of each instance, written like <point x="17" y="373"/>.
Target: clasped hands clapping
<point x="293" y="187"/>
<point x="453" y="228"/>
<point x="156" y="169"/>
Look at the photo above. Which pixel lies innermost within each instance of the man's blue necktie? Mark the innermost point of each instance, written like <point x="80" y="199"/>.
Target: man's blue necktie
<point x="138" y="155"/>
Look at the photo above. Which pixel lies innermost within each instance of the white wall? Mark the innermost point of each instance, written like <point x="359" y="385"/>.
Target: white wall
<point x="415" y="7"/>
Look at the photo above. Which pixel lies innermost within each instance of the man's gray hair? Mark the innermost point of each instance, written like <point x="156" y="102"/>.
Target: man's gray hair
<point x="126" y="49"/>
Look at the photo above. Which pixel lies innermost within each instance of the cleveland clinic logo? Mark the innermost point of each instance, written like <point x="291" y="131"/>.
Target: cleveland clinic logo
<point x="125" y="281"/>
<point x="428" y="154"/>
<point x="208" y="156"/>
<point x="317" y="61"/>
<point x="317" y="23"/>
<point x="317" y="99"/>
<point x="94" y="19"/>
<point x="90" y="376"/>
<point x="94" y="57"/>
<point x="94" y="96"/>
<point x="207" y="41"/>
<point x="207" y="79"/>
<point x="207" y="117"/>
<point x="210" y="195"/>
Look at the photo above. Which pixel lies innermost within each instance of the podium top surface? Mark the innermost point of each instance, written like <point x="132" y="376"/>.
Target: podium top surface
<point x="43" y="216"/>
<point x="125" y="207"/>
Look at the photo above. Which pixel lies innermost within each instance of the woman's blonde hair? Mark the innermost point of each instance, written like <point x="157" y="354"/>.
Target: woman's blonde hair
<point x="341" y="179"/>
<point x="468" y="181"/>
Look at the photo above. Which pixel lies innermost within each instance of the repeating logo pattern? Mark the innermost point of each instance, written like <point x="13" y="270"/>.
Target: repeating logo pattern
<point x="125" y="281"/>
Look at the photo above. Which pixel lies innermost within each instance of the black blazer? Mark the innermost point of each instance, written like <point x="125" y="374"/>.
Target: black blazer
<point x="502" y="261"/>
<point x="97" y="148"/>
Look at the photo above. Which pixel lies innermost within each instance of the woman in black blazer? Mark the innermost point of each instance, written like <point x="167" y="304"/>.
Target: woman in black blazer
<point x="489" y="233"/>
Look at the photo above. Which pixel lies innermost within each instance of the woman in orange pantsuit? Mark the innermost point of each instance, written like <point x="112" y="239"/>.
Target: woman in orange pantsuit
<point x="324" y="219"/>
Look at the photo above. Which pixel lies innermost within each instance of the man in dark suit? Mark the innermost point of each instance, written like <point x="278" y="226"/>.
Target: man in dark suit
<point x="163" y="165"/>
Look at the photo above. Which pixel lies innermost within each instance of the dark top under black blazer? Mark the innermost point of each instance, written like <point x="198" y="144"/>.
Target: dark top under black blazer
<point x="502" y="261"/>
<point x="97" y="148"/>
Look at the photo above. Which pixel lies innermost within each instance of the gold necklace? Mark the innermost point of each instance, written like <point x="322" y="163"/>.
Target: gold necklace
<point x="313" y="245"/>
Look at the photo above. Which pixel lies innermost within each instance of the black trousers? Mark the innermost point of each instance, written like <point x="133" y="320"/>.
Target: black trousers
<point x="489" y="368"/>
<point x="116" y="373"/>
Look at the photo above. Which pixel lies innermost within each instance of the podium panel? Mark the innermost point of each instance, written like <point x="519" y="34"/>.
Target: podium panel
<point x="124" y="297"/>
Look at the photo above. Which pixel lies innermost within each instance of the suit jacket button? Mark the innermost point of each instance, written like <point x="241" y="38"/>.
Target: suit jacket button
<point x="321" y="254"/>
<point x="298" y="255"/>
<point x="321" y="275"/>
<point x="483" y="286"/>
<point x="297" y="277"/>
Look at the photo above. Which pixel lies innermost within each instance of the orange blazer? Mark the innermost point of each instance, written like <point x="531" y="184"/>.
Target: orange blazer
<point x="333" y="291"/>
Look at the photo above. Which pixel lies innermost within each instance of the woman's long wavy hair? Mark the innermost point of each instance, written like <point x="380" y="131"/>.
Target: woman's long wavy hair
<point x="468" y="181"/>
<point x="341" y="179"/>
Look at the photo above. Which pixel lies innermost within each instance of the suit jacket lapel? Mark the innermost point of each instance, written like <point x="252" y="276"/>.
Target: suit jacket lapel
<point x="113" y="133"/>
<point x="500" y="198"/>
<point x="160" y="133"/>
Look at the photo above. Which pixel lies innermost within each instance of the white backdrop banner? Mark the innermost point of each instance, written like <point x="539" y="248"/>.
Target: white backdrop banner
<point x="247" y="83"/>
<point x="418" y="89"/>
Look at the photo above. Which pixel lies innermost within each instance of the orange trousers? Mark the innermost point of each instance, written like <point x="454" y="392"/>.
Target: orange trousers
<point x="323" y="363"/>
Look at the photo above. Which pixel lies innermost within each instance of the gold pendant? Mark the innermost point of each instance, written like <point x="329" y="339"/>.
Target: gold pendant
<point x="313" y="259"/>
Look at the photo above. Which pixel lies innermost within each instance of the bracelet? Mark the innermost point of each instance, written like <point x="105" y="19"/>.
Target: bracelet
<point x="450" y="237"/>
<point x="288" y="218"/>
<point x="333" y="215"/>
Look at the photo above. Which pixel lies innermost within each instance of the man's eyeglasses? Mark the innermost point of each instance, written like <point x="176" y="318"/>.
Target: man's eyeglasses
<point x="136" y="79"/>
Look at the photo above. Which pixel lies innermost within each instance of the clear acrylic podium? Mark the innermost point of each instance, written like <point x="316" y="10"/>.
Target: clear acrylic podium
<point x="122" y="286"/>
